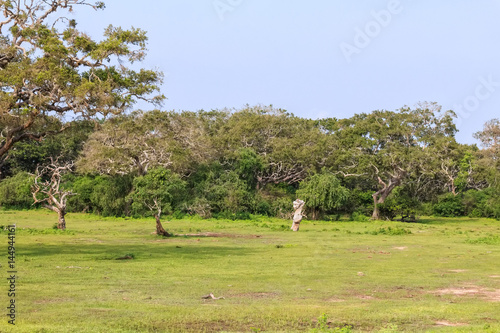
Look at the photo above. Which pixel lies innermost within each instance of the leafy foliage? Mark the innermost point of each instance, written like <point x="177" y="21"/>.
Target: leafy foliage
<point x="259" y="159"/>
<point x="15" y="191"/>
<point x="158" y="191"/>
<point x="449" y="205"/>
<point x="48" y="67"/>
<point x="322" y="193"/>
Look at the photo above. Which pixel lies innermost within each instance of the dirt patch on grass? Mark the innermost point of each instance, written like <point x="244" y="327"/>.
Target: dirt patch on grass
<point x="89" y="240"/>
<point x="450" y="324"/>
<point x="335" y="300"/>
<point x="457" y="270"/>
<point x="219" y="234"/>
<point x="365" y="297"/>
<point x="401" y="248"/>
<point x="492" y="295"/>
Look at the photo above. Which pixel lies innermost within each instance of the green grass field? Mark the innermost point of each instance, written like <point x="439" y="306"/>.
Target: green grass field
<point x="439" y="275"/>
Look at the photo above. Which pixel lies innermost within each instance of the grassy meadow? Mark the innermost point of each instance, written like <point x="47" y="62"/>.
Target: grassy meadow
<point x="438" y="275"/>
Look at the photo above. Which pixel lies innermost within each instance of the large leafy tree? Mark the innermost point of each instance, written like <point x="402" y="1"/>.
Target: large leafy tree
<point x="288" y="146"/>
<point x="490" y="154"/>
<point x="26" y="155"/>
<point x="141" y="141"/>
<point x="49" y="67"/>
<point x="388" y="146"/>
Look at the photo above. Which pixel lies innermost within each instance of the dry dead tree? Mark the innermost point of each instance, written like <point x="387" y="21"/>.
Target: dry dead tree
<point x="47" y="190"/>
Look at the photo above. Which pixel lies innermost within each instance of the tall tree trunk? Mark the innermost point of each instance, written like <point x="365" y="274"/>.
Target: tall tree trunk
<point x="315" y="214"/>
<point x="380" y="196"/>
<point x="159" y="228"/>
<point x="61" y="222"/>
<point x="376" y="212"/>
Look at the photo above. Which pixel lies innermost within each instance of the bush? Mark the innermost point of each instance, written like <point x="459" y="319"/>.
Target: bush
<point x="109" y="196"/>
<point x="490" y="240"/>
<point x="233" y="216"/>
<point x="228" y="193"/>
<point x="159" y="191"/>
<point x="263" y="208"/>
<point x="15" y="192"/>
<point x="399" y="203"/>
<point x="484" y="203"/>
<point x="391" y="231"/>
<point x="282" y="208"/>
<point x="83" y="186"/>
<point x="322" y="193"/>
<point x="449" y="205"/>
<point x="359" y="201"/>
<point x="359" y="217"/>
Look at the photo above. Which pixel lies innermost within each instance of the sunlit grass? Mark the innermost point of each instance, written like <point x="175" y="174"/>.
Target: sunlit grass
<point x="373" y="276"/>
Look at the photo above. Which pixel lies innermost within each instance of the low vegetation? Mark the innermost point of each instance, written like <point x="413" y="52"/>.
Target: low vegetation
<point x="338" y="276"/>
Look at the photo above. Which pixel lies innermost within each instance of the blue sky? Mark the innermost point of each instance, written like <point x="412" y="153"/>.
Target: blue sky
<point x="320" y="58"/>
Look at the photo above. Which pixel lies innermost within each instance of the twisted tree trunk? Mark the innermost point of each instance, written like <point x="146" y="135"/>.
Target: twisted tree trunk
<point x="61" y="222"/>
<point x="49" y="193"/>
<point x="159" y="228"/>
<point x="380" y="196"/>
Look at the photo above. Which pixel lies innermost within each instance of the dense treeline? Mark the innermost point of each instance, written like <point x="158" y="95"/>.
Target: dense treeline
<point x="383" y="164"/>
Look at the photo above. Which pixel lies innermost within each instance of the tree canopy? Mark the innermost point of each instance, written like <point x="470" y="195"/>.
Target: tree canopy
<point x="259" y="159"/>
<point x="50" y="68"/>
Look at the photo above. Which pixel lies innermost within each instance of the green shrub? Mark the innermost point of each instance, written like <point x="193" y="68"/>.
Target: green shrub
<point x="322" y="193"/>
<point x="263" y="208"/>
<point x="485" y="203"/>
<point x="391" y="231"/>
<point x="282" y="208"/>
<point x="359" y="217"/>
<point x="323" y="326"/>
<point x="449" y="205"/>
<point x="84" y="186"/>
<point x="160" y="191"/>
<point x="109" y="197"/>
<point x="359" y="201"/>
<point x="489" y="240"/>
<point x="225" y="192"/>
<point x="15" y="192"/>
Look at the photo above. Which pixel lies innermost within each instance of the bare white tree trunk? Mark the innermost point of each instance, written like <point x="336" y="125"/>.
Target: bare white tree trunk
<point x="298" y="205"/>
<point x="48" y="192"/>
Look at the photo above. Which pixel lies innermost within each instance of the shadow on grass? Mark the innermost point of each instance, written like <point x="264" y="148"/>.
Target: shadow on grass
<point x="448" y="220"/>
<point x="140" y="251"/>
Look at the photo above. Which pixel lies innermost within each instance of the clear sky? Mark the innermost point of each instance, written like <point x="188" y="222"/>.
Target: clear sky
<point x="320" y="58"/>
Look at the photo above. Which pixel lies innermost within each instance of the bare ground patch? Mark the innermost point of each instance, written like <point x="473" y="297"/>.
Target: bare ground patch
<point x="492" y="295"/>
<point x="401" y="248"/>
<point x="335" y="300"/>
<point x="449" y="324"/>
<point x="365" y="297"/>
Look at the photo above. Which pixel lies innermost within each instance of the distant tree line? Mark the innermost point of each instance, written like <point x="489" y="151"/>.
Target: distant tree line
<point x="231" y="164"/>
